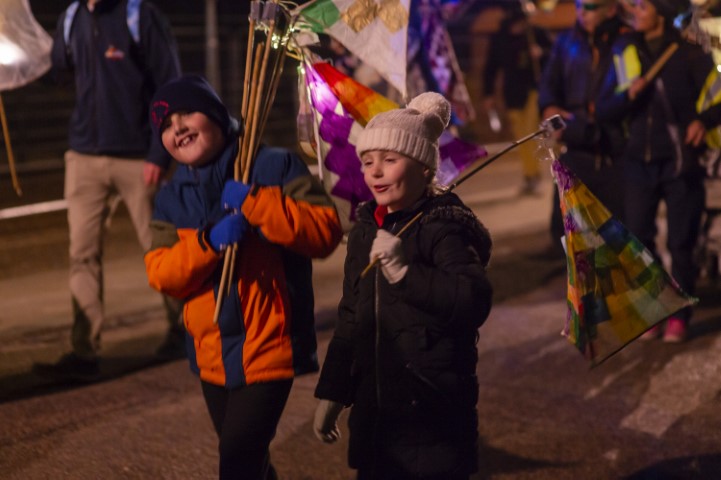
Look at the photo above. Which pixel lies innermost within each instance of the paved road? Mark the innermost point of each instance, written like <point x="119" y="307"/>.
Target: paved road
<point x="649" y="412"/>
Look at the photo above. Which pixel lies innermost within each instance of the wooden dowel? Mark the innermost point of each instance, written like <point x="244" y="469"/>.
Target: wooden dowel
<point x="229" y="260"/>
<point x="658" y="65"/>
<point x="400" y="232"/>
<point x="276" y="74"/>
<point x="248" y="70"/>
<point x="254" y="108"/>
<point x="9" y="150"/>
<point x="260" y="101"/>
<point x="247" y="150"/>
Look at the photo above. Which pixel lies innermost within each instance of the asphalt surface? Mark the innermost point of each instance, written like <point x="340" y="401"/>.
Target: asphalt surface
<point x="649" y="412"/>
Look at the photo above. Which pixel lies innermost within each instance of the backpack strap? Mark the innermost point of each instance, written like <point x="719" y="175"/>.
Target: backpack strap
<point x="132" y="15"/>
<point x="133" y="19"/>
<point x="68" y="21"/>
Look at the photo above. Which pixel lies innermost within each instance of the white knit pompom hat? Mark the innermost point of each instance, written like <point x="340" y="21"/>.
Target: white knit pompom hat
<point x="412" y="131"/>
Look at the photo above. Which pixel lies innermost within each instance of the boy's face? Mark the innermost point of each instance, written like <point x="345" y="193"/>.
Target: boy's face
<point x="395" y="180"/>
<point x="191" y="138"/>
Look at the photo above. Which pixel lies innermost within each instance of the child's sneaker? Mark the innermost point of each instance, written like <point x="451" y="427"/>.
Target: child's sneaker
<point x="675" y="330"/>
<point x="652" y="333"/>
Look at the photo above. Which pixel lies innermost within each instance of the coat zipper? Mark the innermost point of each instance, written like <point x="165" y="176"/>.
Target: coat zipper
<point x="376" y="305"/>
<point x="96" y="89"/>
<point x="647" y="148"/>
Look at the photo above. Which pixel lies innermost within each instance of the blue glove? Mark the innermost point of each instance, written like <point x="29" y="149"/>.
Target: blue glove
<point x="228" y="231"/>
<point x="234" y="194"/>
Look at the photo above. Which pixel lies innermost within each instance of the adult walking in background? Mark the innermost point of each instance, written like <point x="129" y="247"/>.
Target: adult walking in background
<point x="580" y="58"/>
<point x="666" y="137"/>
<point x="117" y="52"/>
<point x="517" y="51"/>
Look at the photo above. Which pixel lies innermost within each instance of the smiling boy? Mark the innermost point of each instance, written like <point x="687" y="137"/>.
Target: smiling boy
<point x="265" y="331"/>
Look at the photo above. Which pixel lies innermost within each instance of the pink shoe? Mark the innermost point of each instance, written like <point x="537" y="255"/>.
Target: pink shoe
<point x="675" y="330"/>
<point x="652" y="333"/>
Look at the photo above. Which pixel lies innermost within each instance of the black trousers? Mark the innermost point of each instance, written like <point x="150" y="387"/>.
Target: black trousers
<point x="245" y="420"/>
<point x="647" y="184"/>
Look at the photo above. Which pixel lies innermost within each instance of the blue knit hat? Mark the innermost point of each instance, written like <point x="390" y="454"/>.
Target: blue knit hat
<point x="190" y="93"/>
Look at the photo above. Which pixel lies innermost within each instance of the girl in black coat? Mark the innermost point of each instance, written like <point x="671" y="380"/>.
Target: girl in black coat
<point x="403" y="355"/>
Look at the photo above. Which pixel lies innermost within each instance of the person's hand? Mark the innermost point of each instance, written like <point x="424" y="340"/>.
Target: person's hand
<point x="152" y="174"/>
<point x="325" y="422"/>
<point x="228" y="231"/>
<point x="695" y="133"/>
<point x="387" y="249"/>
<point x="552" y="110"/>
<point x="637" y="86"/>
<point x="234" y="194"/>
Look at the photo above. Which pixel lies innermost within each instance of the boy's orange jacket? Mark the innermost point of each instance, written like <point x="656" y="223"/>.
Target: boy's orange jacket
<point x="265" y="330"/>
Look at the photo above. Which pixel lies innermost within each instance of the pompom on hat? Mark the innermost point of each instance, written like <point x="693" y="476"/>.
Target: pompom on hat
<point x="189" y="93"/>
<point x="412" y="131"/>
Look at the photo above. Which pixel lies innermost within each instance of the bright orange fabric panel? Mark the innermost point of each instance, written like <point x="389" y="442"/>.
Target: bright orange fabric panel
<point x="180" y="270"/>
<point x="267" y="353"/>
<point x="304" y="228"/>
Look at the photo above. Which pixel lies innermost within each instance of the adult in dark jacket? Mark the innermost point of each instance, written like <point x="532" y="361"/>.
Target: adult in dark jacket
<point x="118" y="52"/>
<point x="403" y="354"/>
<point x="571" y="81"/>
<point x="666" y="135"/>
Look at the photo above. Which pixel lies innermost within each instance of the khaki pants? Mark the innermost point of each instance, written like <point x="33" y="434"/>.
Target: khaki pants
<point x="89" y="182"/>
<point x="523" y="122"/>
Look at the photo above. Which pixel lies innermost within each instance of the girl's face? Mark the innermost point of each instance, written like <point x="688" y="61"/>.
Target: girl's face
<point x="191" y="138"/>
<point x="396" y="181"/>
<point x="646" y="18"/>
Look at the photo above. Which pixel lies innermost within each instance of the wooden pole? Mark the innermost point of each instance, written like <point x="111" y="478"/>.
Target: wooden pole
<point x="229" y="259"/>
<point x="400" y="232"/>
<point x="254" y="109"/>
<point x="658" y="65"/>
<point x="9" y="149"/>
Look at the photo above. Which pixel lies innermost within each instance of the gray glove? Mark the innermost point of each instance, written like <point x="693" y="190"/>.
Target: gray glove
<point x="387" y="249"/>
<point x="325" y="423"/>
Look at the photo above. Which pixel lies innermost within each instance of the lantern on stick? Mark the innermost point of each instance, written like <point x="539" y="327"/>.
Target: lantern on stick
<point x="24" y="56"/>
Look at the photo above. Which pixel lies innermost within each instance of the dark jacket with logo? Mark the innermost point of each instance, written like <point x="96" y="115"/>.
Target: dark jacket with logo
<point x="114" y="77"/>
<point x="404" y="355"/>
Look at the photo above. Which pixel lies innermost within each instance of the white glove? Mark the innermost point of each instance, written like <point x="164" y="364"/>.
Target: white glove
<point x="387" y="249"/>
<point x="325" y="422"/>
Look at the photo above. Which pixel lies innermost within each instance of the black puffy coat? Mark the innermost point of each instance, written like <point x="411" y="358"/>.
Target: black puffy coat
<point x="404" y="355"/>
